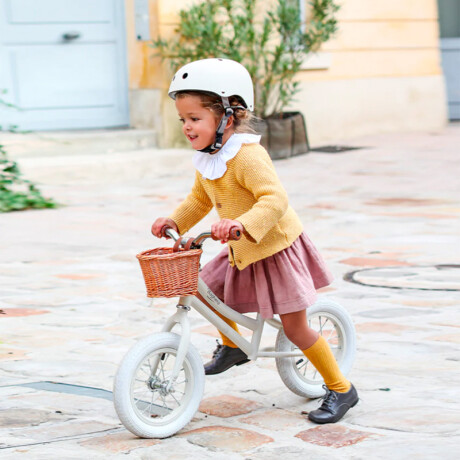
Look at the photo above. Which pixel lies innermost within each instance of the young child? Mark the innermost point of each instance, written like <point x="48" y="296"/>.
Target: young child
<point x="274" y="268"/>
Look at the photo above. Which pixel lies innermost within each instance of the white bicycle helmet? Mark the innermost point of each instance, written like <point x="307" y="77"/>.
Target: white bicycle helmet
<point x="222" y="77"/>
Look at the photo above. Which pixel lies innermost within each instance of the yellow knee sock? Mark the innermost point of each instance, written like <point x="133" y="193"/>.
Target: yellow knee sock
<point x="232" y="324"/>
<point x="321" y="356"/>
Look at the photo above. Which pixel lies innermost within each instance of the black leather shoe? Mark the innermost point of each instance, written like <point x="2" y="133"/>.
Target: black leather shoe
<point x="223" y="358"/>
<point x="335" y="406"/>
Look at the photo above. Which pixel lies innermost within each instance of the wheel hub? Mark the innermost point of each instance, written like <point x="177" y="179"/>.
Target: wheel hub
<point x="155" y="384"/>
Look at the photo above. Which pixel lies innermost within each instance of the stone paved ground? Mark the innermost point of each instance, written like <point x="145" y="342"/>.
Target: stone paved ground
<point x="73" y="302"/>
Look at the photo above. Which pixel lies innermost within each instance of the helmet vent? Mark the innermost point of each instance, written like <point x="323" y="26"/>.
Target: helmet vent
<point x="185" y="75"/>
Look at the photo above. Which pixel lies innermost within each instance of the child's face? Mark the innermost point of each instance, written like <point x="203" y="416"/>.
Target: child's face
<point x="199" y="124"/>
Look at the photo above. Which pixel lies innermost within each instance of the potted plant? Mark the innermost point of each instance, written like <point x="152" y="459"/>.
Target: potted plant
<point x="271" y="41"/>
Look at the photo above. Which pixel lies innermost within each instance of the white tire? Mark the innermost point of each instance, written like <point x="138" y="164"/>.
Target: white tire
<point x="334" y="323"/>
<point x="142" y="399"/>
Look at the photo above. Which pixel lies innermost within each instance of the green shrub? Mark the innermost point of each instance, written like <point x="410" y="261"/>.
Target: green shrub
<point x="17" y="193"/>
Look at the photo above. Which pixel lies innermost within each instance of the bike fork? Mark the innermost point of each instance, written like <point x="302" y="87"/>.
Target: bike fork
<point x="180" y="317"/>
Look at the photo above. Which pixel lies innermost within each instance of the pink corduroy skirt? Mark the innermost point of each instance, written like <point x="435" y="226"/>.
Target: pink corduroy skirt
<point x="285" y="282"/>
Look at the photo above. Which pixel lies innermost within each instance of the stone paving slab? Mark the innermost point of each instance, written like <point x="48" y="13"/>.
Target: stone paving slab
<point x="74" y="302"/>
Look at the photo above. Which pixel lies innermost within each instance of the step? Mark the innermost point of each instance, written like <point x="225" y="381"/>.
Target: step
<point x="115" y="167"/>
<point x="84" y="142"/>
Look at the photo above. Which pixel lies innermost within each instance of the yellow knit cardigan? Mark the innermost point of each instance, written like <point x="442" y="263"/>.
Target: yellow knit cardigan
<point x="250" y="192"/>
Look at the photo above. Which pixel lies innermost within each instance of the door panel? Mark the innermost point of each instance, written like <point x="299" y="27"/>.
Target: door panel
<point x="55" y="69"/>
<point x="78" y="82"/>
<point x="49" y="11"/>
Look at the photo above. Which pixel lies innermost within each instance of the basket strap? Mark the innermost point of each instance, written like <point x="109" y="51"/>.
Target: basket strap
<point x="177" y="245"/>
<point x="188" y="244"/>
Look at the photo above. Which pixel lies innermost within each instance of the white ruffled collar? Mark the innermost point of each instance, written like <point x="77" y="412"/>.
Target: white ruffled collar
<point x="213" y="166"/>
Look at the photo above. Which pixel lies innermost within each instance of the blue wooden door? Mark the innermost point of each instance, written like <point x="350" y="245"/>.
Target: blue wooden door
<point x="449" y="22"/>
<point x="63" y="64"/>
<point x="450" y="52"/>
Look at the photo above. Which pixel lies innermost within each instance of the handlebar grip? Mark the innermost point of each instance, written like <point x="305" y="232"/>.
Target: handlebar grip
<point x="167" y="231"/>
<point x="163" y="230"/>
<point x="235" y="234"/>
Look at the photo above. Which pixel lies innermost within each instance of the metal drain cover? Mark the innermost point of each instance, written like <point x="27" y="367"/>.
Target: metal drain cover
<point x="334" y="149"/>
<point x="426" y="278"/>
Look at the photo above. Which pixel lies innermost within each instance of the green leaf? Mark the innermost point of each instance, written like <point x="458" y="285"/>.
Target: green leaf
<point x="28" y="196"/>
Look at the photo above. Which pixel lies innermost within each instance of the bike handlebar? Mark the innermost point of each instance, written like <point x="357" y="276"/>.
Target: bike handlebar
<point x="234" y="234"/>
<point x="169" y="231"/>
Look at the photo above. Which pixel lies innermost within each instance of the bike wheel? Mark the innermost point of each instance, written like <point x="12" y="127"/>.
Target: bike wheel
<point x="142" y="399"/>
<point x="334" y="323"/>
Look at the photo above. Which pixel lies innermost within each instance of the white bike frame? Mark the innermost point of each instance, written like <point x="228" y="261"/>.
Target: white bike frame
<point x="256" y="325"/>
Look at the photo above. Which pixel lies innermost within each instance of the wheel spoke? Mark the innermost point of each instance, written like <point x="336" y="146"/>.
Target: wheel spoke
<point x="331" y="333"/>
<point x="141" y="398"/>
<point x="306" y="368"/>
<point x="302" y="363"/>
<point x="151" y="404"/>
<point x="143" y="406"/>
<point x="145" y="410"/>
<point x="142" y="389"/>
<point x="162" y="368"/>
<point x="144" y="371"/>
<point x="139" y="390"/>
<point x="178" y="403"/>
<point x="164" y="402"/>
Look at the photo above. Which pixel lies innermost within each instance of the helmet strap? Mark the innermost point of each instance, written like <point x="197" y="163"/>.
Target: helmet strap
<point x="229" y="111"/>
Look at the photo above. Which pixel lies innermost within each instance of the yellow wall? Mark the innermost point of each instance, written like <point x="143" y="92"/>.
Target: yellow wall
<point x="383" y="38"/>
<point x="375" y="38"/>
<point x="150" y="108"/>
<point x="381" y="46"/>
<point x="145" y="70"/>
<point x="384" y="74"/>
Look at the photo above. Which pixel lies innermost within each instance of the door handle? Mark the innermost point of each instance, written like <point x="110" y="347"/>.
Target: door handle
<point x="68" y="36"/>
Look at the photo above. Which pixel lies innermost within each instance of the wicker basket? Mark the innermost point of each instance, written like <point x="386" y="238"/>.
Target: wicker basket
<point x="168" y="273"/>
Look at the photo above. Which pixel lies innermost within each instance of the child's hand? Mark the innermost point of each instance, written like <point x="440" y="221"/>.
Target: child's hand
<point x="221" y="230"/>
<point x="160" y="223"/>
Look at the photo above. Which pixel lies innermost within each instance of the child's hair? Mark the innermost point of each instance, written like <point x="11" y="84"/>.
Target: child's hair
<point x="243" y="120"/>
